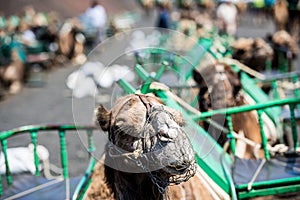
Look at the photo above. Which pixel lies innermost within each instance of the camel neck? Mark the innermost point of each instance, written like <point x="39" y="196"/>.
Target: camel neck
<point x="132" y="186"/>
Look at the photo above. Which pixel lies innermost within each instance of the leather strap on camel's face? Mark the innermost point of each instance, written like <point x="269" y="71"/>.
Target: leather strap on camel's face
<point x="153" y="108"/>
<point x="158" y="145"/>
<point x="145" y="102"/>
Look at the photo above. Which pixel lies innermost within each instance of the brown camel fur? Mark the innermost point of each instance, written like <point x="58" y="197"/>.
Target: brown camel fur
<point x="281" y="14"/>
<point x="255" y="53"/>
<point x="221" y="89"/>
<point x="140" y="126"/>
<point x="192" y="189"/>
<point x="71" y="41"/>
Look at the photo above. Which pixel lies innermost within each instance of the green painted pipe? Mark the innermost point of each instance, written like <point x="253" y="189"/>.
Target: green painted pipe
<point x="246" y="108"/>
<point x="36" y="157"/>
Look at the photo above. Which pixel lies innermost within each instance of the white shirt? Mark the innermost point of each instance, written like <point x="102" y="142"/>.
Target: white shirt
<point x="227" y="12"/>
<point x="96" y="16"/>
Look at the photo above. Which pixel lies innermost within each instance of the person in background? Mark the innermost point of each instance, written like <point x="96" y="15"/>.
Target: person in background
<point x="227" y="18"/>
<point x="96" y="18"/>
<point x="163" y="16"/>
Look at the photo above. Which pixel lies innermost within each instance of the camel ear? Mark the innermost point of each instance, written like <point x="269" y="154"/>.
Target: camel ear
<point x="103" y="117"/>
<point x="199" y="80"/>
<point x="234" y="79"/>
<point x="237" y="86"/>
<point x="236" y="89"/>
<point x="197" y="77"/>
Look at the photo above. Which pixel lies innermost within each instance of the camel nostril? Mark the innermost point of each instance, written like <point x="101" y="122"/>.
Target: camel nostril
<point x="181" y="167"/>
<point x="163" y="135"/>
<point x="168" y="134"/>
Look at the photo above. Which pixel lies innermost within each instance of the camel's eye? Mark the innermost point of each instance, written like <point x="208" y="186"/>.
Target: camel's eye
<point x="119" y="123"/>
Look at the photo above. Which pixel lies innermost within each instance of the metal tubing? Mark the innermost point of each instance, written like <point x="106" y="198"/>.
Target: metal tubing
<point x="263" y="135"/>
<point x="64" y="153"/>
<point x="230" y="134"/>
<point x="245" y="108"/>
<point x="294" y="126"/>
<point x="36" y="157"/>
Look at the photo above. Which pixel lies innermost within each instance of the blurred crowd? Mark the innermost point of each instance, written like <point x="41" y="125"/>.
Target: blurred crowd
<point x="226" y="14"/>
<point x="25" y="38"/>
<point x="275" y="52"/>
<point x="203" y="18"/>
<point x="40" y="39"/>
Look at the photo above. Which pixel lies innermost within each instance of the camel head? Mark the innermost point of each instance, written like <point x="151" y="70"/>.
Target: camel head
<point x="219" y="86"/>
<point x="147" y="137"/>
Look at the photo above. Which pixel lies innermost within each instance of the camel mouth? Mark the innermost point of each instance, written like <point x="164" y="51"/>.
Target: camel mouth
<point x="181" y="168"/>
<point x="176" y="171"/>
<point x="182" y="174"/>
<point x="171" y="175"/>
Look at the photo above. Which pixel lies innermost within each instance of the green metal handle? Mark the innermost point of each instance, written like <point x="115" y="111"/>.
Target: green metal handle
<point x="126" y="86"/>
<point x="263" y="135"/>
<point x="230" y="134"/>
<point x="36" y="157"/>
<point x="64" y="153"/>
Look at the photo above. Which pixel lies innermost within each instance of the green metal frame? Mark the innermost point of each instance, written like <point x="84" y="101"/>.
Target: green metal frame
<point x="208" y="164"/>
<point x="273" y="81"/>
<point x="60" y="130"/>
<point x="220" y="176"/>
<point x="259" y="96"/>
